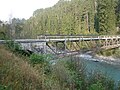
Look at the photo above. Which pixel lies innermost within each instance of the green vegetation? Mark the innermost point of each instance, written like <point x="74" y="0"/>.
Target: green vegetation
<point x="75" y="17"/>
<point x="68" y="17"/>
<point x="11" y="30"/>
<point x="37" y="73"/>
<point x="106" y="17"/>
<point x="111" y="52"/>
<point x="23" y="70"/>
<point x="17" y="73"/>
<point x="36" y="58"/>
<point x="3" y="30"/>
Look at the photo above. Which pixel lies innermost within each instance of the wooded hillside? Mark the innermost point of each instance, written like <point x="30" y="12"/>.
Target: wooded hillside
<point x="73" y="17"/>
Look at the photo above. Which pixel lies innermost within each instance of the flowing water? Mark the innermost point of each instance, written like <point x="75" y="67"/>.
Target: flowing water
<point x="92" y="64"/>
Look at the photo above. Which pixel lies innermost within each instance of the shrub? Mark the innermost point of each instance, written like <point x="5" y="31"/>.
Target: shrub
<point x="97" y="86"/>
<point x="13" y="46"/>
<point x="17" y="74"/>
<point x="37" y="59"/>
<point x="2" y="87"/>
<point x="43" y="60"/>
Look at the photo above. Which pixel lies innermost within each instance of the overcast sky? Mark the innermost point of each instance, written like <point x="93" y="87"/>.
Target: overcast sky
<point x="22" y="8"/>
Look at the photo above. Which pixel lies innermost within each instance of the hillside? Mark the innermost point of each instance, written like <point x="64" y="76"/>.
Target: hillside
<point x="16" y="73"/>
<point x="66" y="17"/>
<point x="74" y="17"/>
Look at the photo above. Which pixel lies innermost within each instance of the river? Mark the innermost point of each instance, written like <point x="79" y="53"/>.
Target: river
<point x="93" y="64"/>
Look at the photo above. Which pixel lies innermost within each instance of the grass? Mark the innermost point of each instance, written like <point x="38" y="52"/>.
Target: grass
<point x="17" y="72"/>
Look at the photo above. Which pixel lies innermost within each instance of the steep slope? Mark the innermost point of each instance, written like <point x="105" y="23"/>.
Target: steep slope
<point x="17" y="73"/>
<point x="66" y="17"/>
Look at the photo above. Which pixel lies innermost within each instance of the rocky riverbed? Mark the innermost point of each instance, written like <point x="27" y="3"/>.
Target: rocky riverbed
<point x="100" y="58"/>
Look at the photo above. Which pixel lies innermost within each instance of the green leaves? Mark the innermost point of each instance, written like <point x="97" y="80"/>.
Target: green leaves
<point x="106" y="17"/>
<point x="37" y="58"/>
<point x="2" y="87"/>
<point x="66" y="18"/>
<point x="97" y="86"/>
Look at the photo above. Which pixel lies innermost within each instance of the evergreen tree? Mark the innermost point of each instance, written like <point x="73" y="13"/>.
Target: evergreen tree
<point x="74" y="17"/>
<point x="106" y="16"/>
<point x="117" y="12"/>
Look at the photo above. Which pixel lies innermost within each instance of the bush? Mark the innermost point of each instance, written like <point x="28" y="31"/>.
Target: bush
<point x="42" y="60"/>
<point x="17" y="74"/>
<point x="17" y="49"/>
<point x="2" y="87"/>
<point x="37" y="59"/>
<point x="13" y="46"/>
<point x="97" y="86"/>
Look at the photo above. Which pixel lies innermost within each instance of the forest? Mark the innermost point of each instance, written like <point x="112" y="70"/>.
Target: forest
<point x="70" y="17"/>
<point x="76" y="17"/>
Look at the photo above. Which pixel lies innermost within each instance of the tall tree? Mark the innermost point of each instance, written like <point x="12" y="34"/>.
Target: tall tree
<point x="106" y="16"/>
<point x="118" y="13"/>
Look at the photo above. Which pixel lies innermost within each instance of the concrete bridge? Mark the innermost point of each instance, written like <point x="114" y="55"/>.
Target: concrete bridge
<point x="68" y="44"/>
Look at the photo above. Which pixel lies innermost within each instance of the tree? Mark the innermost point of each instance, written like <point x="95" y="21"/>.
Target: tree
<point x="4" y="32"/>
<point x="106" y="16"/>
<point x="117" y="12"/>
<point x="17" y="27"/>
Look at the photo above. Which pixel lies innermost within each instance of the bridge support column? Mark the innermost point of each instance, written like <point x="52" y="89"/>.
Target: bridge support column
<point x="56" y="44"/>
<point x="31" y="47"/>
<point x="65" y="47"/>
<point x="45" y="47"/>
<point x="106" y="42"/>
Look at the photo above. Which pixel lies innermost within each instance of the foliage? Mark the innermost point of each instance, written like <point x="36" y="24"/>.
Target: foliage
<point x="74" y="17"/>
<point x="66" y="17"/>
<point x="117" y="12"/>
<point x="77" y="72"/>
<point x="16" y="27"/>
<point x="74" y="76"/>
<point x="3" y="30"/>
<point x="106" y="17"/>
<point x="103" y="81"/>
<point x="17" y="49"/>
<point x="12" y="45"/>
<point x="16" y="73"/>
<point x="65" y="74"/>
<point x="43" y="61"/>
<point x="40" y="58"/>
<point x="2" y="87"/>
<point x="111" y="52"/>
<point x="97" y="86"/>
<point x="36" y="59"/>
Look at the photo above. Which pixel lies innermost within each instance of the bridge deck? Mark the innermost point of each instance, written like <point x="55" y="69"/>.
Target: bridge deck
<point x="63" y="39"/>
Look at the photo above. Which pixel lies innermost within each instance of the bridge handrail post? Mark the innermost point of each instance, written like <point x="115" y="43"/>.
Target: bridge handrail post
<point x="45" y="48"/>
<point x="65" y="43"/>
<point x="117" y="40"/>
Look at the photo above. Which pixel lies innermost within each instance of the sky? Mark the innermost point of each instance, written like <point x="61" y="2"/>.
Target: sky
<point x="22" y="8"/>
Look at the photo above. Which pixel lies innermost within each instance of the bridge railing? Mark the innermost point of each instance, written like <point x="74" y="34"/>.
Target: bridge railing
<point x="77" y="36"/>
<point x="63" y="37"/>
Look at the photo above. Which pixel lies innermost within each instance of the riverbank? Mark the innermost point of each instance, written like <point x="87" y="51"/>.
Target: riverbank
<point x="108" y="59"/>
<point x="99" y="58"/>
